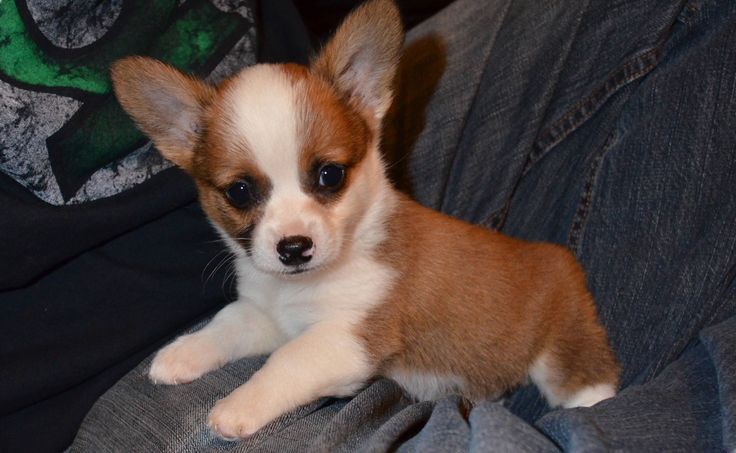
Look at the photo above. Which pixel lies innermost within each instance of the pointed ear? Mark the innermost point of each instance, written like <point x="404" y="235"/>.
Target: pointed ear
<point x="361" y="58"/>
<point x="166" y="104"/>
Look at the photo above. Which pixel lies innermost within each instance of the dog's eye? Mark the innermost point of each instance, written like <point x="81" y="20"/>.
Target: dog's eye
<point x="331" y="176"/>
<point x="240" y="194"/>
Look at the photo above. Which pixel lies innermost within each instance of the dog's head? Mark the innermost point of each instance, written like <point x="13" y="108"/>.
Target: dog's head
<point x="284" y="156"/>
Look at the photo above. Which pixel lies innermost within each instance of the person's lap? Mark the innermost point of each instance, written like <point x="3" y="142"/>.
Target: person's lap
<point x="610" y="129"/>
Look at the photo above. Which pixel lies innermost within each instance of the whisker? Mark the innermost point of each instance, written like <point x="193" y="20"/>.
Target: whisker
<point x="228" y="258"/>
<point x="217" y="255"/>
<point x="231" y="277"/>
<point x="399" y="160"/>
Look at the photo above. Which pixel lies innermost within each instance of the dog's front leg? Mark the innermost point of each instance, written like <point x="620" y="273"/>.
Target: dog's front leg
<point x="326" y="360"/>
<point x="238" y="330"/>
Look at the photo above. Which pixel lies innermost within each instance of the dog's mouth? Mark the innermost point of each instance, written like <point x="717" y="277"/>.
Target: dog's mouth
<point x="299" y="270"/>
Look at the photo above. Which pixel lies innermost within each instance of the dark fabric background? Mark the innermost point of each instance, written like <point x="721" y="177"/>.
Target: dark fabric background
<point x="88" y="291"/>
<point x="322" y="16"/>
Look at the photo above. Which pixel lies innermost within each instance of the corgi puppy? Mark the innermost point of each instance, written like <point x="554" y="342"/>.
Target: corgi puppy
<point x="341" y="278"/>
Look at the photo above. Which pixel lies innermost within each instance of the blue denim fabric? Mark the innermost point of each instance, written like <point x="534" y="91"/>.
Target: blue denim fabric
<point x="609" y="127"/>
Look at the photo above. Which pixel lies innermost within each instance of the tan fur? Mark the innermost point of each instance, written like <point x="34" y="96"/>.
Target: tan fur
<point x="331" y="130"/>
<point x="474" y="303"/>
<point x="219" y="162"/>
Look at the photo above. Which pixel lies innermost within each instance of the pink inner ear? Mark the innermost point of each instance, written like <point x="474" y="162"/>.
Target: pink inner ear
<point x="178" y="108"/>
<point x="362" y="79"/>
<point x="367" y="82"/>
<point x="362" y="57"/>
<point x="165" y="104"/>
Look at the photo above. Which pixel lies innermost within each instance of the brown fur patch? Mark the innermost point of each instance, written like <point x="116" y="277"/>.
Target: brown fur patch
<point x="221" y="159"/>
<point x="330" y="132"/>
<point x="474" y="303"/>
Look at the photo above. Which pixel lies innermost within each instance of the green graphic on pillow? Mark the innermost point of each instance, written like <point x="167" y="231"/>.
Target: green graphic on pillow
<point x="194" y="36"/>
<point x="22" y="58"/>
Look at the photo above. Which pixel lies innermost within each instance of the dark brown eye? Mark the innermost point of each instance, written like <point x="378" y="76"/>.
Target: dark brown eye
<point x="240" y="194"/>
<point x="331" y="176"/>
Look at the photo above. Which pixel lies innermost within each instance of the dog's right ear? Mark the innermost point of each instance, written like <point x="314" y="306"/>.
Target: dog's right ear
<point x="166" y="104"/>
<point x="361" y="59"/>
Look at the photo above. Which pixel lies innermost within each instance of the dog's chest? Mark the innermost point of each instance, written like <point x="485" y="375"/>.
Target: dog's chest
<point x="293" y="307"/>
<point x="295" y="315"/>
<point x="345" y="295"/>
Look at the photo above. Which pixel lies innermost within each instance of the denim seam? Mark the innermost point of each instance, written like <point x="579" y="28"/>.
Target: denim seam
<point x="496" y="219"/>
<point x="464" y="121"/>
<point x="690" y="13"/>
<point x="632" y="70"/>
<point x="572" y="43"/>
<point x="583" y="110"/>
<point x="580" y="220"/>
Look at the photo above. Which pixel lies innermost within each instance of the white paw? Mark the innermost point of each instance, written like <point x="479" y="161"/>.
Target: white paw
<point x="232" y="419"/>
<point x="186" y="359"/>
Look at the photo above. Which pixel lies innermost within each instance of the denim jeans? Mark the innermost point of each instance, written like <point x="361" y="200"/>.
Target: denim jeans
<point x="609" y="127"/>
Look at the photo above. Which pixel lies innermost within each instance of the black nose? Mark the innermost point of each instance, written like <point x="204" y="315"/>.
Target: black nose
<point x="292" y="250"/>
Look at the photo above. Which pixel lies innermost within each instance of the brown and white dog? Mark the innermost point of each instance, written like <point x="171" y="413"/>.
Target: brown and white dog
<point x="340" y="276"/>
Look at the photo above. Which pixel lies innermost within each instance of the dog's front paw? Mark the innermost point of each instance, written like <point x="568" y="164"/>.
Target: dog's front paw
<point x="232" y="418"/>
<point x="186" y="359"/>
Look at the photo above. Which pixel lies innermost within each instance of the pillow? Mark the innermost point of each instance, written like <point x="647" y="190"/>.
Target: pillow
<point x="63" y="136"/>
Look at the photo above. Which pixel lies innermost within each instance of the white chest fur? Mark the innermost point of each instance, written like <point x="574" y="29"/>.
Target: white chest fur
<point x="344" y="293"/>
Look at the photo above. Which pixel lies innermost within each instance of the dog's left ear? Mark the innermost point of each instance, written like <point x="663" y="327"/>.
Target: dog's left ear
<point x="166" y="104"/>
<point x="361" y="59"/>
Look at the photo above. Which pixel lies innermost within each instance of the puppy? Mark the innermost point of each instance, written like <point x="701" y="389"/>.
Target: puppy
<point x="340" y="277"/>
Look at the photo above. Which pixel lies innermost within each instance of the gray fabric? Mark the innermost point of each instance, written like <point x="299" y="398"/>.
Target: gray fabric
<point x="72" y="24"/>
<point x="608" y="127"/>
